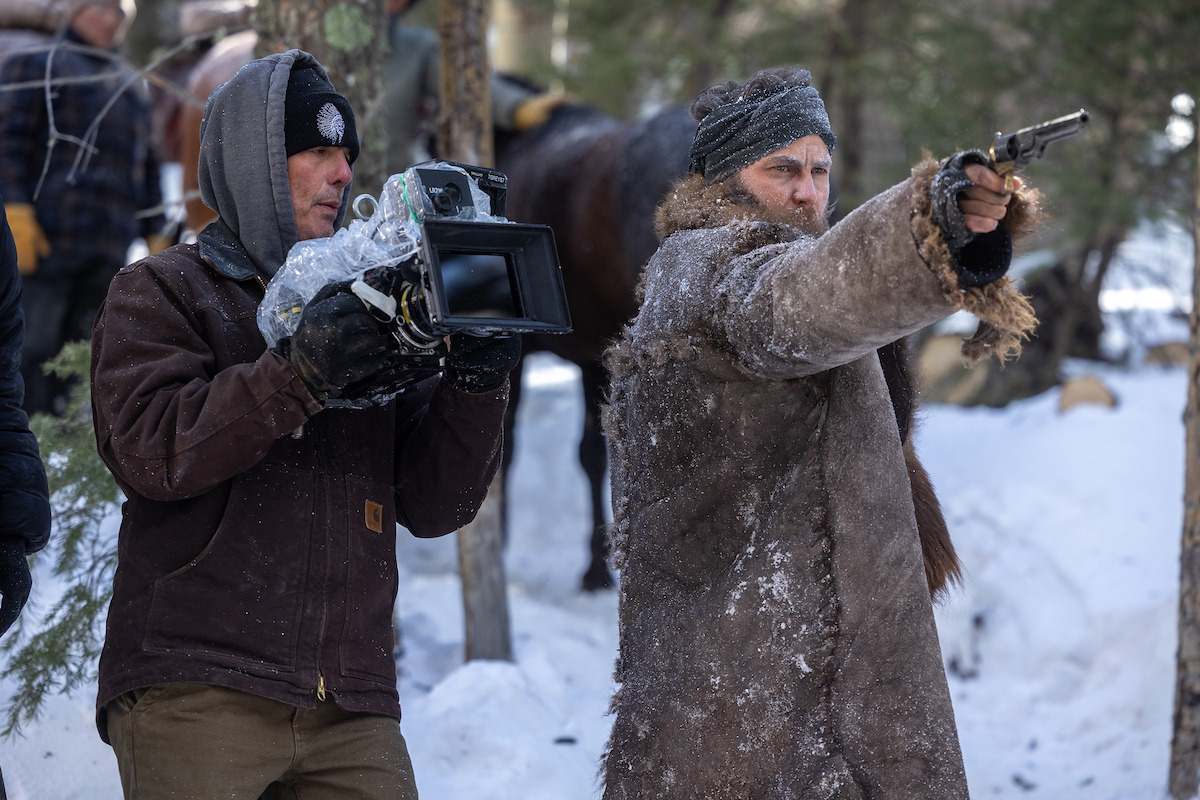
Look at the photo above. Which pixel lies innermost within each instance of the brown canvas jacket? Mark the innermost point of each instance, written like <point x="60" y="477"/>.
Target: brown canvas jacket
<point x="777" y="635"/>
<point x="257" y="544"/>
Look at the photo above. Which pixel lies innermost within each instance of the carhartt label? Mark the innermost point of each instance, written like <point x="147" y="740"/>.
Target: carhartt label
<point x="374" y="516"/>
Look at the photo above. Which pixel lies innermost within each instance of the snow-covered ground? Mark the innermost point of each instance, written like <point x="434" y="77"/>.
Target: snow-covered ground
<point x="1060" y="645"/>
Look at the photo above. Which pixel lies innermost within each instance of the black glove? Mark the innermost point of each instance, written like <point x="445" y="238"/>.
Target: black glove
<point x="978" y="258"/>
<point x="15" y="581"/>
<point x="481" y="363"/>
<point x="338" y="343"/>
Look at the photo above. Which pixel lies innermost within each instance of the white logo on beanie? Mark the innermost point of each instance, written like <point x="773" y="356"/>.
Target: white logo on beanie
<point x="330" y="123"/>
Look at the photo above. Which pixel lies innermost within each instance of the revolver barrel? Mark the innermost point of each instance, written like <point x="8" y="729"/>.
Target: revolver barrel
<point x="1013" y="151"/>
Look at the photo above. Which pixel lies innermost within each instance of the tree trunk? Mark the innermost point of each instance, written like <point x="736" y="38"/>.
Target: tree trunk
<point x="464" y="116"/>
<point x="485" y="598"/>
<point x="465" y="135"/>
<point x="706" y="25"/>
<point x="843" y="85"/>
<point x="523" y="39"/>
<point x="349" y="38"/>
<point x="1185" y="744"/>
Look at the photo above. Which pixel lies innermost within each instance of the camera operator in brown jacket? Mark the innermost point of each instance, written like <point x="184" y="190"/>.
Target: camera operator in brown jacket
<point x="776" y="630"/>
<point x="249" y="648"/>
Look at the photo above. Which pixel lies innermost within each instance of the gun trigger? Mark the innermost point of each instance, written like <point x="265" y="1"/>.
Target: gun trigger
<point x="1007" y="169"/>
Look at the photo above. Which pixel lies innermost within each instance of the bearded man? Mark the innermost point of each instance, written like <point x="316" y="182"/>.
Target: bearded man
<point x="777" y="633"/>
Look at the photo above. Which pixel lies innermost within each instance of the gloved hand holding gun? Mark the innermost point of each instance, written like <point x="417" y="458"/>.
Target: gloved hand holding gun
<point x="970" y="201"/>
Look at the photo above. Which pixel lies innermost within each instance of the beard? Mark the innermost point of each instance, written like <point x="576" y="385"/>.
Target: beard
<point x="809" y="220"/>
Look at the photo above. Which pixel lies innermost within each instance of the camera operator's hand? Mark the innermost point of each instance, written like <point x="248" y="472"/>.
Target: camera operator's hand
<point x="339" y="343"/>
<point x="15" y="581"/>
<point x="480" y="364"/>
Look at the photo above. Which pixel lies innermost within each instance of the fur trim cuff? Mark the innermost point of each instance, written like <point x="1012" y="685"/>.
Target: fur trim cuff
<point x="1006" y="318"/>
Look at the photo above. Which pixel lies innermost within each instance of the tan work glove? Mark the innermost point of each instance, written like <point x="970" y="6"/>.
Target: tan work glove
<point x="32" y="244"/>
<point x="537" y="109"/>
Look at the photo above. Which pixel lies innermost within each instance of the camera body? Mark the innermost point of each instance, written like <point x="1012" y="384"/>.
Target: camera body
<point x="433" y="256"/>
<point x="472" y="271"/>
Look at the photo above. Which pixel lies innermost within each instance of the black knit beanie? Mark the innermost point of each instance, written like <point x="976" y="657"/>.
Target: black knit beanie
<point x="315" y="115"/>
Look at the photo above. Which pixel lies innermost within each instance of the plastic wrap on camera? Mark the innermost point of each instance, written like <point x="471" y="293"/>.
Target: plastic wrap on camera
<point x="420" y="201"/>
<point x="387" y="237"/>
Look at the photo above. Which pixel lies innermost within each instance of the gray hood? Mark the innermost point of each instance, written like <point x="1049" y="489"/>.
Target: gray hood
<point x="243" y="169"/>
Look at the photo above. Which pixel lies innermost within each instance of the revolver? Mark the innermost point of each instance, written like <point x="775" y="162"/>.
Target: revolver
<point x="1012" y="152"/>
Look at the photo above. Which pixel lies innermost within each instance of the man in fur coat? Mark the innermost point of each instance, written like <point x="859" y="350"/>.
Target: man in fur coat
<point x="777" y="633"/>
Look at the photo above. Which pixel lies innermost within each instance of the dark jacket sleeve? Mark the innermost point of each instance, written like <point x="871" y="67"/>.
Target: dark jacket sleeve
<point x="446" y="458"/>
<point x="24" y="496"/>
<point x="169" y="424"/>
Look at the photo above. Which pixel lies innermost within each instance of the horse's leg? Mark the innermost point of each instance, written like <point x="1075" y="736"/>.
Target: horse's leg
<point x="594" y="458"/>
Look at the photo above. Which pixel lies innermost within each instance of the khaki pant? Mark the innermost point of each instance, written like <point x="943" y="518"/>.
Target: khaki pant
<point x="182" y="741"/>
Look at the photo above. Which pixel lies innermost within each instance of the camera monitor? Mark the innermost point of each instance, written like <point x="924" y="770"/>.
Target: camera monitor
<point x="493" y="278"/>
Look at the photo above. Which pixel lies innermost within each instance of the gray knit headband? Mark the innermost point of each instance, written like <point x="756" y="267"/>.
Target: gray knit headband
<point x="737" y="134"/>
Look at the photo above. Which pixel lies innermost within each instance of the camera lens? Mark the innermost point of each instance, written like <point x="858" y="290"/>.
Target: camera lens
<point x="443" y="203"/>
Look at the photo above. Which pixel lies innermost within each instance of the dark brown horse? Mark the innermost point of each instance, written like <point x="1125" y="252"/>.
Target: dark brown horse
<point x="596" y="182"/>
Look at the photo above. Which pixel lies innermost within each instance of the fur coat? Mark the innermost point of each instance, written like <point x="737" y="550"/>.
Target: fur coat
<point x="777" y="636"/>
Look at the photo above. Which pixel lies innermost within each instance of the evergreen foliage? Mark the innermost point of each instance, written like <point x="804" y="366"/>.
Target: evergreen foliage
<point x="55" y="650"/>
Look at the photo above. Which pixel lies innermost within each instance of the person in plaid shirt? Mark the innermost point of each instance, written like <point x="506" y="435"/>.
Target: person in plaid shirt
<point x="77" y="171"/>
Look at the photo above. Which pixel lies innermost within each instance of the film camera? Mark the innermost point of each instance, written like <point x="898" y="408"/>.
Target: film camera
<point x="433" y="256"/>
<point x="472" y="271"/>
